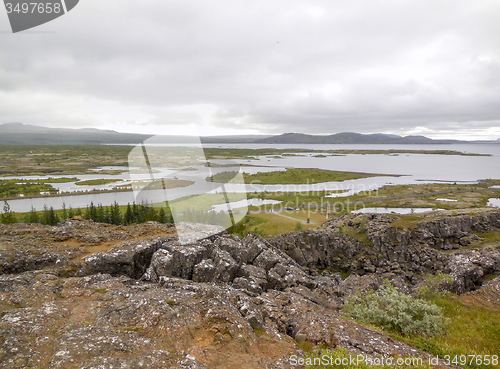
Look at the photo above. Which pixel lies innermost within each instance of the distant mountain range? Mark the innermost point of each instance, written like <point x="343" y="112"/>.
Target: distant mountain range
<point x="358" y="138"/>
<point x="351" y="138"/>
<point x="25" y="134"/>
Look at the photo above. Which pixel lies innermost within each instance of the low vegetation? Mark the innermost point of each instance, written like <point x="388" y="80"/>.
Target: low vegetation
<point x="426" y="195"/>
<point x="291" y="176"/>
<point x="408" y="196"/>
<point x="407" y="221"/>
<point x="340" y="358"/>
<point x="393" y="310"/>
<point x="272" y="223"/>
<point x="472" y="330"/>
<point x="10" y="188"/>
<point x="96" y="182"/>
<point x="359" y="233"/>
<point x="438" y="322"/>
<point x="18" y="160"/>
<point x="488" y="237"/>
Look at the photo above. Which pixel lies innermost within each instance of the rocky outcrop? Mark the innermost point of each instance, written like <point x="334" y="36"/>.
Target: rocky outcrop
<point x="18" y="261"/>
<point x="391" y="247"/>
<point x="469" y="267"/>
<point x="33" y="246"/>
<point x="119" y="322"/>
<point x="86" y="295"/>
<point x="130" y="259"/>
<point x="133" y="259"/>
<point x="439" y="232"/>
<point x="488" y="295"/>
<point x="249" y="264"/>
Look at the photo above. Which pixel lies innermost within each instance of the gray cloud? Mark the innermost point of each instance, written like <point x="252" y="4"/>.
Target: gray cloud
<point x="259" y="66"/>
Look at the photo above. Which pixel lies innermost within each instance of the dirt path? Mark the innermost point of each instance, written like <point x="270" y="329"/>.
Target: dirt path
<point x="298" y="220"/>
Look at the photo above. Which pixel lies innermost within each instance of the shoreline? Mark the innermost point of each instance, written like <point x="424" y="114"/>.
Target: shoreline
<point x="64" y="194"/>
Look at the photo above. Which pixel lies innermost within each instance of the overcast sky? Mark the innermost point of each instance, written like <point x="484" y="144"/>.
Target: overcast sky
<point x="262" y="67"/>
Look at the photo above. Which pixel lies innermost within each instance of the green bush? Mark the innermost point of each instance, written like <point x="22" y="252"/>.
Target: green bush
<point x="434" y="285"/>
<point x="388" y="308"/>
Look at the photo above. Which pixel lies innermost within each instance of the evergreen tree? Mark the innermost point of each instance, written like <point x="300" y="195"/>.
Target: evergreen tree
<point x="91" y="212"/>
<point x="33" y="216"/>
<point x="136" y="215"/>
<point x="8" y="216"/>
<point x="100" y="216"/>
<point x="53" y="218"/>
<point x="45" y="215"/>
<point x="129" y="215"/>
<point x="64" y="212"/>
<point x="114" y="215"/>
<point x="107" y="217"/>
<point x="162" y="216"/>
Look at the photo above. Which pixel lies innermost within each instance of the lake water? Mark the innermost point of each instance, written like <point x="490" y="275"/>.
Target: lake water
<point x="418" y="166"/>
<point x="402" y="168"/>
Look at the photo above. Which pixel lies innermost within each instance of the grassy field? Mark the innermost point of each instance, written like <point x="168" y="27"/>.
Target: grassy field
<point x="341" y="355"/>
<point x="55" y="159"/>
<point x="317" y="202"/>
<point x="407" y="196"/>
<point x="472" y="330"/>
<point x="292" y="176"/>
<point x="426" y="195"/>
<point x="12" y="188"/>
<point x="96" y="182"/>
<point x="274" y="224"/>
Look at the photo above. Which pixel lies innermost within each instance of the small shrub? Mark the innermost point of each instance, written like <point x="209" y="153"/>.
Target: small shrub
<point x="434" y="285"/>
<point x="388" y="308"/>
